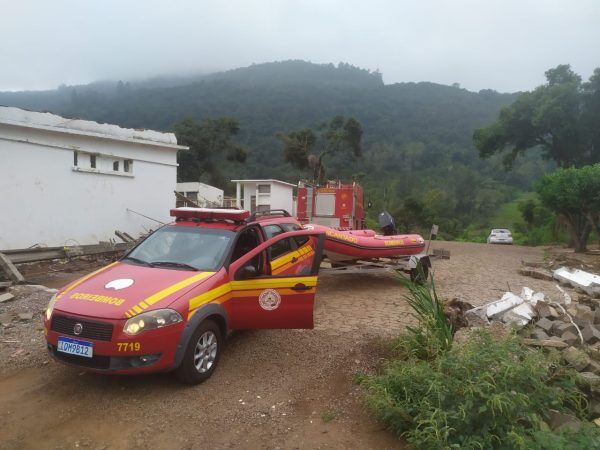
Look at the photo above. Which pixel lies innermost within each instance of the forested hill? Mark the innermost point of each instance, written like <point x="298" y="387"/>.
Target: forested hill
<point x="418" y="153"/>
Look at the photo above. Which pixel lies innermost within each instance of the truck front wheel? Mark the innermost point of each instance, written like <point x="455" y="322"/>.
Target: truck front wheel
<point x="202" y="354"/>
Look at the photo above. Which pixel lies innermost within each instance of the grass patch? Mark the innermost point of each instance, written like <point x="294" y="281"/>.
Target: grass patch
<point x="486" y="393"/>
<point x="328" y="416"/>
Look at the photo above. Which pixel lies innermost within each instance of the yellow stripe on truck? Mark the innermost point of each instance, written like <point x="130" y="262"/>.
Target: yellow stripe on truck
<point x="164" y="293"/>
<point x="248" y="288"/>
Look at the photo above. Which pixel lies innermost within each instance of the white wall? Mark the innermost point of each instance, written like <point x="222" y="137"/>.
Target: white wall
<point x="282" y="197"/>
<point x="43" y="200"/>
<point x="207" y="195"/>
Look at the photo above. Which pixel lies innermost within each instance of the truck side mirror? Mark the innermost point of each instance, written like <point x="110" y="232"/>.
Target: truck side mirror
<point x="246" y="272"/>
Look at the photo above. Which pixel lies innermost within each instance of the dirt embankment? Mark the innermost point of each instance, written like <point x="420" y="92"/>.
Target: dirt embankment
<point x="273" y="388"/>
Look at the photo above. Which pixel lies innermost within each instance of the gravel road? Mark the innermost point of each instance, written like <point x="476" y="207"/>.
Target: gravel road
<point x="273" y="388"/>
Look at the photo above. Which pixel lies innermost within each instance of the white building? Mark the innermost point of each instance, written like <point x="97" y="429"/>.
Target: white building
<point x="203" y="195"/>
<point x="264" y="195"/>
<point x="68" y="181"/>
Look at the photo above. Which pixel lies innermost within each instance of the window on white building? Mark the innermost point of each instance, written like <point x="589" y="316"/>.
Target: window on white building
<point x="102" y="164"/>
<point x="264" y="188"/>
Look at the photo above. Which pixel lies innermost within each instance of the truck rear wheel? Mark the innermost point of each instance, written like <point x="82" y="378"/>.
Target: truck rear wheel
<point x="202" y="354"/>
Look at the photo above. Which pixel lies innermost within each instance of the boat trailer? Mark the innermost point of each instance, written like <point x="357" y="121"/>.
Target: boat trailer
<point x="414" y="265"/>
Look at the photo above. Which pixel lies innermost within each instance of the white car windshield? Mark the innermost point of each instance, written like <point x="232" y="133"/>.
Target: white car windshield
<point x="183" y="248"/>
<point x="499" y="231"/>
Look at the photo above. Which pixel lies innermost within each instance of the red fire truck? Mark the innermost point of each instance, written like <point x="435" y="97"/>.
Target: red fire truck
<point x="335" y="205"/>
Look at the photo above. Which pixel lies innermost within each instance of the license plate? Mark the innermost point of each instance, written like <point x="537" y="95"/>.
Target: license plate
<point x="75" y="347"/>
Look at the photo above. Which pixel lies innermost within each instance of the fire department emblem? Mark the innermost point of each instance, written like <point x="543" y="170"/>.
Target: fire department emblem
<point x="121" y="283"/>
<point x="269" y="299"/>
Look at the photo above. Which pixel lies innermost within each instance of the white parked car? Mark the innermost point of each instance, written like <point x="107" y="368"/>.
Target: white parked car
<point x="500" y="236"/>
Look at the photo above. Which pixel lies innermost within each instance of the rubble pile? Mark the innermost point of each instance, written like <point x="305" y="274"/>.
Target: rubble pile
<point x="561" y="323"/>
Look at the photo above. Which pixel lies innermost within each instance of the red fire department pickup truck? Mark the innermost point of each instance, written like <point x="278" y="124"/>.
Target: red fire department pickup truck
<point x="170" y="302"/>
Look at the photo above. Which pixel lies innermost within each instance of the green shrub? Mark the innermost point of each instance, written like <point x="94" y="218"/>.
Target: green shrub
<point x="483" y="394"/>
<point x="434" y="333"/>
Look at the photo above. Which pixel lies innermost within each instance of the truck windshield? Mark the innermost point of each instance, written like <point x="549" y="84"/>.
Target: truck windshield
<point x="183" y="248"/>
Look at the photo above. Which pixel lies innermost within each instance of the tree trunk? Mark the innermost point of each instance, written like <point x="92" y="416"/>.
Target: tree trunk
<point x="579" y="230"/>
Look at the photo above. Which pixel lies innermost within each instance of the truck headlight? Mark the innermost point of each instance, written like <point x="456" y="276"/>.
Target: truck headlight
<point x="50" y="307"/>
<point x="151" y="320"/>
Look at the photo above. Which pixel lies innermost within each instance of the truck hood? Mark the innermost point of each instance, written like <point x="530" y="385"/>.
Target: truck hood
<point x="121" y="290"/>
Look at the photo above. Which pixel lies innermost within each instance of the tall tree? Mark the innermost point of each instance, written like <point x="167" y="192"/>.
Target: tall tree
<point x="306" y="148"/>
<point x="211" y="144"/>
<point x="557" y="117"/>
<point x="574" y="194"/>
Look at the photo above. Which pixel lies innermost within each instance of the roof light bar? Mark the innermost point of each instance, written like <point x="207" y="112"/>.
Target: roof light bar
<point x="236" y="215"/>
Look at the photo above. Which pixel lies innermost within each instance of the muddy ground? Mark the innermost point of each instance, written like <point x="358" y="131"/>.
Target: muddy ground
<point x="273" y="388"/>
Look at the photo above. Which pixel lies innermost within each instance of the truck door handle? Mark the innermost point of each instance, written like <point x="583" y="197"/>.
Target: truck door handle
<point x="301" y="287"/>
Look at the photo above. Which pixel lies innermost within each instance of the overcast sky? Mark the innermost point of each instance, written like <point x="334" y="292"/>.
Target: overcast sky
<point x="501" y="44"/>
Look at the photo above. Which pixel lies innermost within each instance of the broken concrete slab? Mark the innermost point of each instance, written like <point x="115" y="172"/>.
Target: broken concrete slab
<point x="576" y="358"/>
<point x="6" y="297"/>
<point x="507" y="302"/>
<point x="9" y="268"/>
<point x="520" y="315"/>
<point x="586" y="281"/>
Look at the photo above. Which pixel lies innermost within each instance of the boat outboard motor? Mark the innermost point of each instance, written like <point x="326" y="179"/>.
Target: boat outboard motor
<point x="387" y="224"/>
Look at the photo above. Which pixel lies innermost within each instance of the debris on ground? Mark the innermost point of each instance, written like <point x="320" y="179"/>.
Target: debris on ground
<point x="510" y="309"/>
<point x="579" y="279"/>
<point x="556" y="323"/>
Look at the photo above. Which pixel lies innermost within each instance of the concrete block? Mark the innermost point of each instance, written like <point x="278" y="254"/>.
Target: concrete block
<point x="545" y="324"/>
<point x="594" y="367"/>
<point x="561" y="422"/>
<point x="590" y="380"/>
<point x="576" y="358"/>
<point x="584" y="313"/>
<point x="538" y="333"/>
<point x="544" y="310"/>
<point x="590" y="334"/>
<point x="559" y="327"/>
<point x="570" y="338"/>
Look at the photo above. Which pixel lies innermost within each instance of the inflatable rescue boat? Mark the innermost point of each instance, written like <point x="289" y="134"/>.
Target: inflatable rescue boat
<point x="350" y="245"/>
